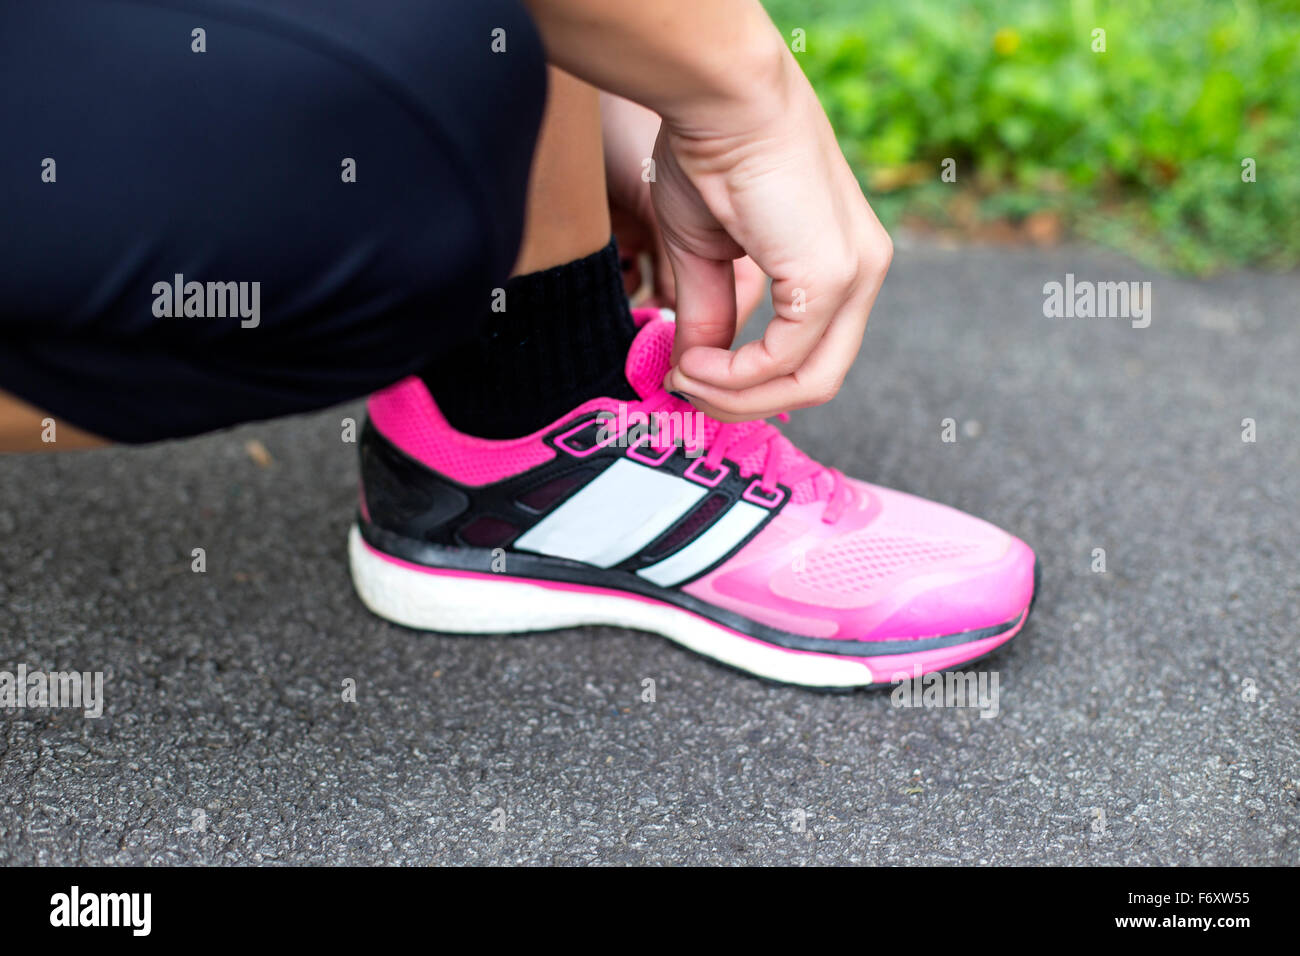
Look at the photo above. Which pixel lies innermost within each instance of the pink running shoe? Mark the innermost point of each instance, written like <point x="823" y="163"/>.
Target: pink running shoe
<point x="722" y="537"/>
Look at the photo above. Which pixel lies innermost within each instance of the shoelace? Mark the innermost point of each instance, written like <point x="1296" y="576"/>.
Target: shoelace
<point x="730" y="441"/>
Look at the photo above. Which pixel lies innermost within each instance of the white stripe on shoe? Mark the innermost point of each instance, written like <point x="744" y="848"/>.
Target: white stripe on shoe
<point x="728" y="531"/>
<point x="614" y="516"/>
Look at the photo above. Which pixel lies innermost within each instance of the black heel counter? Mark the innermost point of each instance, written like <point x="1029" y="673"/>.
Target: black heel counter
<point x="401" y="495"/>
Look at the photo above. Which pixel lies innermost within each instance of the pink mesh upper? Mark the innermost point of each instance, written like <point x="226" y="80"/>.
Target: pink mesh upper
<point x="650" y="357"/>
<point x="851" y="563"/>
<point x="893" y="566"/>
<point x="406" y="415"/>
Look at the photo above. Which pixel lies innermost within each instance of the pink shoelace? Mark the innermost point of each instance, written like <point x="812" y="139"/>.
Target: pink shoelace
<point x="734" y="442"/>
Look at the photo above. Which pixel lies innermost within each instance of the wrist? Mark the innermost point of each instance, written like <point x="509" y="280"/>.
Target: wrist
<point x="702" y="66"/>
<point x="736" y="88"/>
<point x="756" y="113"/>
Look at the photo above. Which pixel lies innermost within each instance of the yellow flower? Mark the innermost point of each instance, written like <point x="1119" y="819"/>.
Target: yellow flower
<point x="1006" y="41"/>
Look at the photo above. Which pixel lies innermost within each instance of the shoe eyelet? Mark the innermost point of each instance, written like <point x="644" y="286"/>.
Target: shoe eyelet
<point x="698" y="472"/>
<point x="758" y="495"/>
<point x="635" y="453"/>
<point x="563" y="440"/>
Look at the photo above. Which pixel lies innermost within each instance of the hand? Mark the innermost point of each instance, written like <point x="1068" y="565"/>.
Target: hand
<point x="774" y="186"/>
<point x="746" y="163"/>
<point x="629" y="132"/>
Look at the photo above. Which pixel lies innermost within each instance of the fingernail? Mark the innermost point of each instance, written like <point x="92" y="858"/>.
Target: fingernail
<point x="683" y="396"/>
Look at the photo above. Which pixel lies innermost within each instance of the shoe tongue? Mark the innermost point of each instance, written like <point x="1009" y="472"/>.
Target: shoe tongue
<point x="648" y="361"/>
<point x="650" y="356"/>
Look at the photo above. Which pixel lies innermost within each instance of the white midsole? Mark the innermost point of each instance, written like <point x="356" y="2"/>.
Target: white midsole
<point x="461" y="604"/>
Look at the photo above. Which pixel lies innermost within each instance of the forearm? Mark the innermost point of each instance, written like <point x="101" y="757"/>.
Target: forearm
<point x="694" y="62"/>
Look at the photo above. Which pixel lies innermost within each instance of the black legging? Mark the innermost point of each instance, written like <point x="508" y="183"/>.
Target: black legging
<point x="228" y="166"/>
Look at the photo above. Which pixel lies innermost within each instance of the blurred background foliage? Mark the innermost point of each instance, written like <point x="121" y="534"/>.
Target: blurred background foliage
<point x="1140" y="147"/>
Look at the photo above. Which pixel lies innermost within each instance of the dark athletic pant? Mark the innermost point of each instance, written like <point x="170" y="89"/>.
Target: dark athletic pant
<point x="128" y="158"/>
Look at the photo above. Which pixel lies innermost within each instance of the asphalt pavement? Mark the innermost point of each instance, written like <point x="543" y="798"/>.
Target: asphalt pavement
<point x="1148" y="714"/>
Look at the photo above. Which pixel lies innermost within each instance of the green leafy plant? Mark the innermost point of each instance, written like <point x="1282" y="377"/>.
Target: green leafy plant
<point x="1143" y="145"/>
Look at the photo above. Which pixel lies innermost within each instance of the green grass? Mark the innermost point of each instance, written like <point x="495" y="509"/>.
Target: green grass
<point x="1140" y="146"/>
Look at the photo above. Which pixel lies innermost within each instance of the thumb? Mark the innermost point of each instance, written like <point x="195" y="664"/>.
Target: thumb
<point x="664" y="285"/>
<point x="706" y="301"/>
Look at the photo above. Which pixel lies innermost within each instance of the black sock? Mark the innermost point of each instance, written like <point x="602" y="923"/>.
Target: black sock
<point x="562" y="339"/>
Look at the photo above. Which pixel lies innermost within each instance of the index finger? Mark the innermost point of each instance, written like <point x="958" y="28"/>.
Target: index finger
<point x="788" y="340"/>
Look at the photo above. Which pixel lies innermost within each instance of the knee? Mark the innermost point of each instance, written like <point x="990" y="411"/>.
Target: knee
<point x="472" y="74"/>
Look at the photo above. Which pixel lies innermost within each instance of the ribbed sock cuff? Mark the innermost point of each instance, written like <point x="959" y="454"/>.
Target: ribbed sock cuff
<point x="562" y="339"/>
